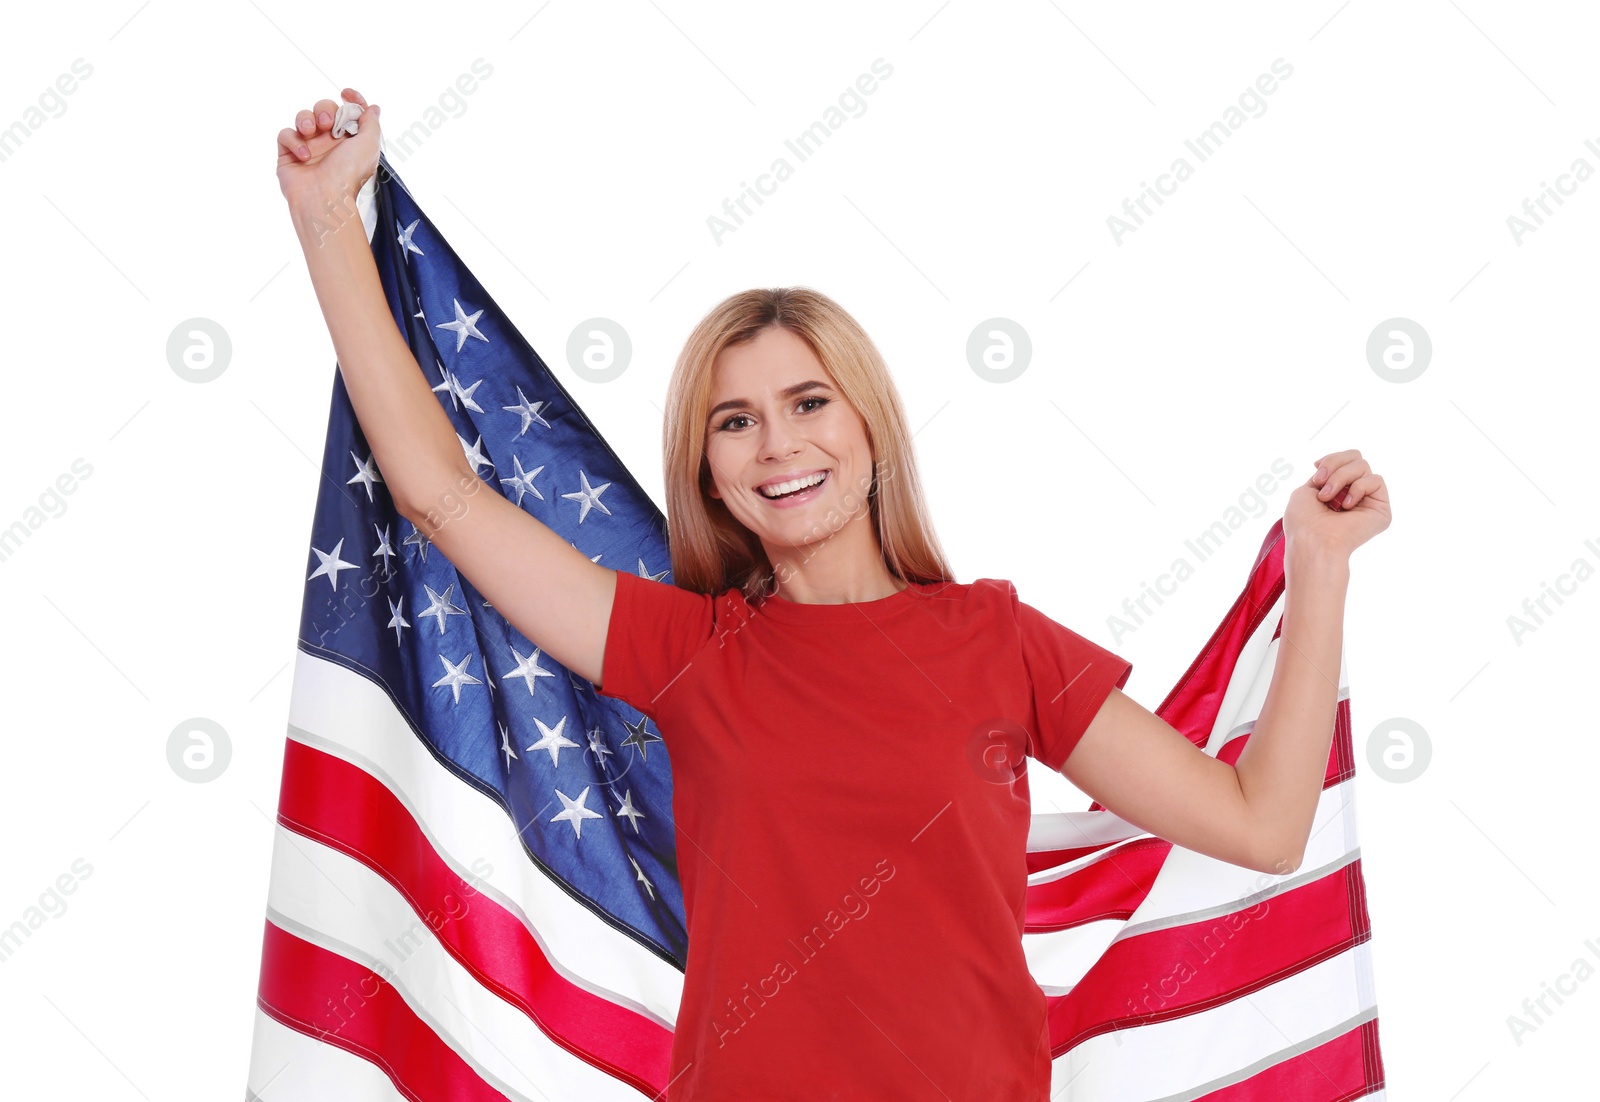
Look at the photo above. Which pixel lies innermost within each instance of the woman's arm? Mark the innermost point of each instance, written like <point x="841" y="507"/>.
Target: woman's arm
<point x="1257" y="812"/>
<point x="1281" y="774"/>
<point x="540" y="583"/>
<point x="413" y="442"/>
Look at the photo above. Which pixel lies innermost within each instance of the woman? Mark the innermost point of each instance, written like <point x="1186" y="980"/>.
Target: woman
<point x="848" y="724"/>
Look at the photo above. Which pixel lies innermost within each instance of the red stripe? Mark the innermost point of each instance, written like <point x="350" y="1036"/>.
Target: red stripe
<point x="345" y="1004"/>
<point x="1345" y="1068"/>
<point x="1203" y="964"/>
<point x="1039" y="860"/>
<point x="1112" y="887"/>
<point x="340" y="805"/>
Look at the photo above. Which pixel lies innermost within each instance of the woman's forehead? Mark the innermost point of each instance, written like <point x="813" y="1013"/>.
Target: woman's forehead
<point x="766" y="367"/>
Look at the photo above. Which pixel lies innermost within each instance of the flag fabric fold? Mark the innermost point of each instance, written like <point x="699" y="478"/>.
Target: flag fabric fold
<point x="474" y="889"/>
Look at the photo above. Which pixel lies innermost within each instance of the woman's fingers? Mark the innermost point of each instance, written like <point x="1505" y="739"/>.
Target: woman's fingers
<point x="312" y="129"/>
<point x="325" y="110"/>
<point x="1341" y="477"/>
<point x="290" y="143"/>
<point x="1359" y="489"/>
<point x="1332" y="461"/>
<point x="1338" y="478"/>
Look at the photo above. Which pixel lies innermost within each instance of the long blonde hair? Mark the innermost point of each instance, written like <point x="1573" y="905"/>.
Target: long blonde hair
<point x="711" y="550"/>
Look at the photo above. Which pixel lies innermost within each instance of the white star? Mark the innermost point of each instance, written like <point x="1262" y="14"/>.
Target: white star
<point x="599" y="749"/>
<point x="405" y="240"/>
<point x="474" y="453"/>
<point x="366" y="474"/>
<point x="441" y="606"/>
<point x="633" y="813"/>
<point x="465" y="325"/>
<point x="505" y="746"/>
<point x="647" y="885"/>
<point x="452" y="386"/>
<point x="589" y="496"/>
<point x="455" y="678"/>
<point x="331" y="564"/>
<point x="396" y="619"/>
<point x="643" y="573"/>
<point x="465" y="393"/>
<point x="552" y="740"/>
<point x="527" y="668"/>
<point x="422" y="542"/>
<point x="524" y="480"/>
<point x="449" y="385"/>
<point x="529" y="411"/>
<point x="384" y="547"/>
<point x="575" y="812"/>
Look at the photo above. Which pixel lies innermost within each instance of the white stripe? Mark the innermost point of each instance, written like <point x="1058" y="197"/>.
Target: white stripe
<point x="1191" y="882"/>
<point x="1172" y="1058"/>
<point x="1075" y="829"/>
<point x="1059" y="959"/>
<point x="1250" y="679"/>
<point x="1188" y="887"/>
<point x="336" y="902"/>
<point x="288" y="1066"/>
<point x="354" y="719"/>
<point x="1248" y="686"/>
<point x="367" y="204"/>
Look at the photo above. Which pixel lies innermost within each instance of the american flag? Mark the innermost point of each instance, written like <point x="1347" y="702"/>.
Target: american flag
<point x="474" y="889"/>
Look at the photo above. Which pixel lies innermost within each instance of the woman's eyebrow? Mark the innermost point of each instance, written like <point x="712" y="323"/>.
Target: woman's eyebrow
<point x="788" y="392"/>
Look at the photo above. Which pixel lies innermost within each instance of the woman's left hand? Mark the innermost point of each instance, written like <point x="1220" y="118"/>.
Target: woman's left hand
<point x="1340" y="507"/>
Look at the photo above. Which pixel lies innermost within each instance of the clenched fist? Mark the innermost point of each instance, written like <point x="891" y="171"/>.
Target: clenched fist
<point x="312" y="162"/>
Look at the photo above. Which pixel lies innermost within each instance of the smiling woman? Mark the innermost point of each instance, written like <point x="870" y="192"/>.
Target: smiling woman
<point x="796" y="398"/>
<point x="813" y="620"/>
<point x="829" y="693"/>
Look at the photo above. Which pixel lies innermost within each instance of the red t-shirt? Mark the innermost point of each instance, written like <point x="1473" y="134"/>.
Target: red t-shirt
<point x="851" y="831"/>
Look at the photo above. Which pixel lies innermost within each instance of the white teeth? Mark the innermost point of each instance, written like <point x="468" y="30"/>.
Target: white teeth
<point x="795" y="484"/>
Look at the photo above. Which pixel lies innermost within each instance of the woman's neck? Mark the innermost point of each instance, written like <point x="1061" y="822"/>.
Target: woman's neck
<point x="832" y="573"/>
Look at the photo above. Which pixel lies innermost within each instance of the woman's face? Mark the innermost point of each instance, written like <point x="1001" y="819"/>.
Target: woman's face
<point x="776" y="417"/>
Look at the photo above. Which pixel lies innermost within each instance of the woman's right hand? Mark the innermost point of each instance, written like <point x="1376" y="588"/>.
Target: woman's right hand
<point x="312" y="162"/>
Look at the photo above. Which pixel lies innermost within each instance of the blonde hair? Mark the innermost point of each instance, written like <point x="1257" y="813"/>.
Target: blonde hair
<point x="711" y="550"/>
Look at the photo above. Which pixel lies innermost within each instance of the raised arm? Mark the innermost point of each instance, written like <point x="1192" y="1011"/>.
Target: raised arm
<point x="541" y="584"/>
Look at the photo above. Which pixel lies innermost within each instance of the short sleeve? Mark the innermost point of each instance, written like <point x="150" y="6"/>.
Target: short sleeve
<point x="1069" y="676"/>
<point x="654" y="632"/>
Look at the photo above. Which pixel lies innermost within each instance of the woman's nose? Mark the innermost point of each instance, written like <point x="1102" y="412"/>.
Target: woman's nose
<point x="778" y="440"/>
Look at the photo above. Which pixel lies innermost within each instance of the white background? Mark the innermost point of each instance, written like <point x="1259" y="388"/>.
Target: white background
<point x="1227" y="331"/>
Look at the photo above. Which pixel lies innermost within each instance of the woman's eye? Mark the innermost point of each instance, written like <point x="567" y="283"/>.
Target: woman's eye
<point x="729" y="423"/>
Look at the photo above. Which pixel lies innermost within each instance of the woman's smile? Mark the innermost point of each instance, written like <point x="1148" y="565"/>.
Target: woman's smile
<point x="794" y="491"/>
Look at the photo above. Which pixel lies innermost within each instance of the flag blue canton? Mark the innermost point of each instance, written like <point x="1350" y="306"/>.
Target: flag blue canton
<point x="585" y="778"/>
